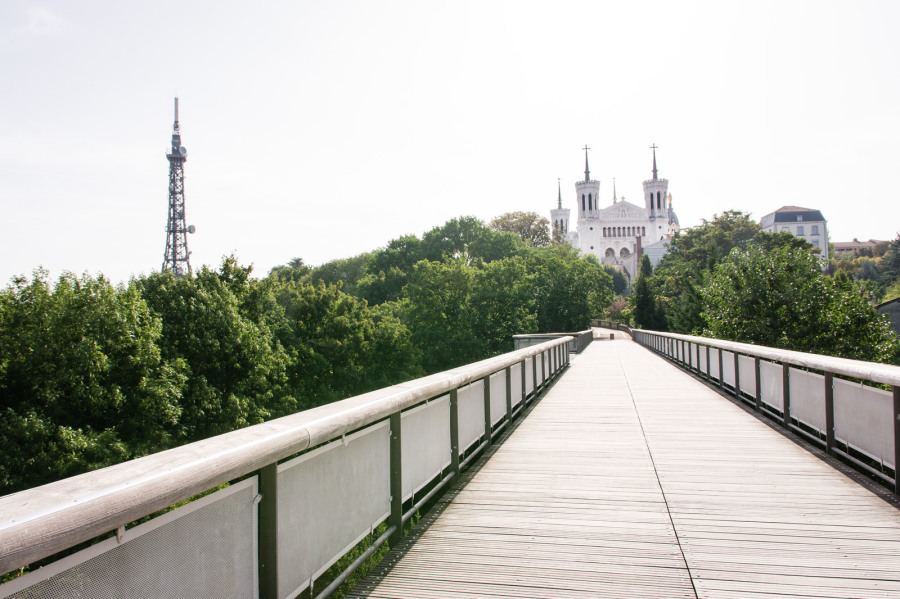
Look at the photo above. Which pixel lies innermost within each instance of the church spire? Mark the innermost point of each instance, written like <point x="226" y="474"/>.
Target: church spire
<point x="559" y="189"/>
<point x="587" y="170"/>
<point x="654" y="162"/>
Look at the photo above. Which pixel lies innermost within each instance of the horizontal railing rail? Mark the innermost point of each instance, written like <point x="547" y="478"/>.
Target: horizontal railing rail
<point x="355" y="465"/>
<point x="580" y="340"/>
<point x="833" y="402"/>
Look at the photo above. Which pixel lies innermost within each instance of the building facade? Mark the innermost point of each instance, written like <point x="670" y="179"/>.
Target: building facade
<point x="617" y="233"/>
<point x="806" y="223"/>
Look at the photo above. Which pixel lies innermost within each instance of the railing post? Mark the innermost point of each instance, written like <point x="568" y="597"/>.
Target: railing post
<point x="721" y="369"/>
<point x="487" y="407"/>
<point x="697" y="369"/>
<point x="509" y="392"/>
<point x="454" y="431"/>
<point x="396" y="517"/>
<point x="756" y="368"/>
<point x="707" y="364"/>
<point x="737" y="375"/>
<point x="533" y="376"/>
<point x="786" y="394"/>
<point x="829" y="412"/>
<point x="896" y="439"/>
<point x="268" y="532"/>
<point x="524" y="392"/>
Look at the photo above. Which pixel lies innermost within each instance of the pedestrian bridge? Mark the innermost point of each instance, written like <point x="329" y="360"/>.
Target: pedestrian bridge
<point x="668" y="466"/>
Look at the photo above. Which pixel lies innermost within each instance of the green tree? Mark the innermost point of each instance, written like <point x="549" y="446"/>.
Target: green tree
<point x="646" y="311"/>
<point x="619" y="280"/>
<point x="530" y="227"/>
<point x="569" y="291"/>
<point x="237" y="372"/>
<point x="692" y="256"/>
<point x="469" y="239"/>
<point x="389" y="270"/>
<point x="438" y="314"/>
<point x="781" y="298"/>
<point x="502" y="304"/>
<point x="345" y="271"/>
<point x="296" y="269"/>
<point x="82" y="382"/>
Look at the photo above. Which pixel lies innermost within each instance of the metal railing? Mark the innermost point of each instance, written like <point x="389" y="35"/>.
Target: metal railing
<point x="835" y="403"/>
<point x="300" y="491"/>
<point x="580" y="340"/>
<point x="611" y="324"/>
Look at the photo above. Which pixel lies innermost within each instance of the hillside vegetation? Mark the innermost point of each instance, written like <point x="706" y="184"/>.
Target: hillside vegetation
<point x="92" y="374"/>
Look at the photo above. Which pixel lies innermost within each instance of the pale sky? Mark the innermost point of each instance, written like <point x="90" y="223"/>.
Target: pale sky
<point x="324" y="129"/>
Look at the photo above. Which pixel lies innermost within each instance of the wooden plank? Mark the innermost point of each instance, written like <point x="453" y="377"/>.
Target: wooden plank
<point x="632" y="479"/>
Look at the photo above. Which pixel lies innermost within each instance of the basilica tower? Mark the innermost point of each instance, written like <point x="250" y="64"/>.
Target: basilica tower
<point x="587" y="193"/>
<point x="656" y="197"/>
<point x="559" y="216"/>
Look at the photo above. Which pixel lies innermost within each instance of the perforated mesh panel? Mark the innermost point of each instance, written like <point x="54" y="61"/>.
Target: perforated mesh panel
<point x="498" y="396"/>
<point x="748" y="375"/>
<point x="328" y="499"/>
<point x="728" y="367"/>
<point x="529" y="377"/>
<point x="425" y="442"/>
<point x="808" y="398"/>
<point x="515" y="376"/>
<point x="470" y="403"/>
<point x="714" y="363"/>
<point x="771" y="382"/>
<point x="703" y="359"/>
<point x="189" y="552"/>
<point x="863" y="418"/>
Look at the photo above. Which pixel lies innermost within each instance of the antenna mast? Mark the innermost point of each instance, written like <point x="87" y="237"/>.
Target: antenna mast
<point x="177" y="255"/>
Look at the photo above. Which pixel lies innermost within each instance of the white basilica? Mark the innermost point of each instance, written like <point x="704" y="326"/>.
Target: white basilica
<point x="619" y="233"/>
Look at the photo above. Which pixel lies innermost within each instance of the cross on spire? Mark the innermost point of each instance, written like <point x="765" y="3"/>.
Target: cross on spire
<point x="587" y="171"/>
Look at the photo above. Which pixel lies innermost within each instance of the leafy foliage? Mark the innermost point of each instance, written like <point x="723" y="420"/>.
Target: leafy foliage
<point x="531" y="227"/>
<point x="83" y="383"/>
<point x="92" y="374"/>
<point x="646" y="310"/>
<point x="781" y="298"/>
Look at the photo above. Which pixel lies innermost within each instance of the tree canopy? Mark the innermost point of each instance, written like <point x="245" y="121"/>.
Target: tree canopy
<point x="531" y="227"/>
<point x="92" y="374"/>
<point x="781" y="298"/>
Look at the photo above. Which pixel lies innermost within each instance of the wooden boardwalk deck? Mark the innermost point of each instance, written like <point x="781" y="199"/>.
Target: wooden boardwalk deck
<point x="632" y="479"/>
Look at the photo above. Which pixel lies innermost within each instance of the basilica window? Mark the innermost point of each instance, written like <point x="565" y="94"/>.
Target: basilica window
<point x="582" y="202"/>
<point x="643" y="231"/>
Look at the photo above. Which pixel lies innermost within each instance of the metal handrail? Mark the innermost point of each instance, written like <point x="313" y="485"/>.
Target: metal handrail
<point x="870" y="371"/>
<point x="45" y="520"/>
<point x="679" y="349"/>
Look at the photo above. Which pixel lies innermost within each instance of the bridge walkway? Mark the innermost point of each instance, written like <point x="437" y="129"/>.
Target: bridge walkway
<point x="633" y="479"/>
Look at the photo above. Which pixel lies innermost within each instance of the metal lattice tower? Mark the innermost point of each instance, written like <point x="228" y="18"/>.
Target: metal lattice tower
<point x="177" y="254"/>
